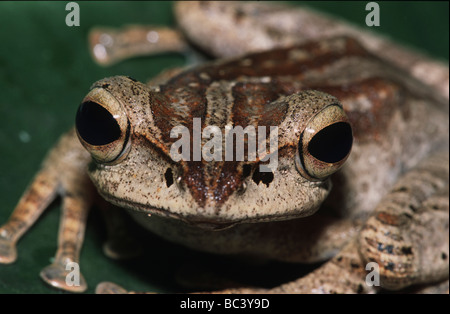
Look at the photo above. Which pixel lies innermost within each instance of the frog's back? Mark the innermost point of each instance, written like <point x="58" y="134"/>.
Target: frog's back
<point x="273" y="88"/>
<point x="380" y="100"/>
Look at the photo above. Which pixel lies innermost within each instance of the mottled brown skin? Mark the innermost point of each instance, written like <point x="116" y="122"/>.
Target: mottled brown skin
<point x="388" y="204"/>
<point x="249" y="27"/>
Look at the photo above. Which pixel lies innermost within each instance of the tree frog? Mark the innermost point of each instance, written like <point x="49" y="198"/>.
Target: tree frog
<point x="361" y="172"/>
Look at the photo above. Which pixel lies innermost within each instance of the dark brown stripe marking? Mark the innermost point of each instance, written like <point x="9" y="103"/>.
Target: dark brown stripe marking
<point x="183" y="98"/>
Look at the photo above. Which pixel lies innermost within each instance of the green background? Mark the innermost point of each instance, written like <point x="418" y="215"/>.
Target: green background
<point x="46" y="69"/>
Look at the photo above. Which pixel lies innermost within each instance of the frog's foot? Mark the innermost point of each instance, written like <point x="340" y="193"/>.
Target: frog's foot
<point x="76" y="190"/>
<point x="33" y="202"/>
<point x="343" y="274"/>
<point x="62" y="277"/>
<point x="8" y="251"/>
<point x="408" y="235"/>
<point x="107" y="287"/>
<point x="112" y="288"/>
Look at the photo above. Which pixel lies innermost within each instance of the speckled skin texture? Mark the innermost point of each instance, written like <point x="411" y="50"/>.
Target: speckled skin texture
<point x="388" y="203"/>
<point x="186" y="202"/>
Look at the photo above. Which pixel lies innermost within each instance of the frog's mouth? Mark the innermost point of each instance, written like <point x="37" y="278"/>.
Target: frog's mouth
<point x="152" y="197"/>
<point x="146" y="212"/>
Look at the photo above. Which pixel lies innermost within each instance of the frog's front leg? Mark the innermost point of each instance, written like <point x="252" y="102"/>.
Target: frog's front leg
<point x="63" y="173"/>
<point x="407" y="236"/>
<point x="108" y="45"/>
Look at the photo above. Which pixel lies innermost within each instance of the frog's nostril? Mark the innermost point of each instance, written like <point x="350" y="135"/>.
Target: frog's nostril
<point x="264" y="177"/>
<point x="168" y="175"/>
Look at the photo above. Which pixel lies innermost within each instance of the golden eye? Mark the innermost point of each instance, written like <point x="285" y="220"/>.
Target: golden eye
<point x="324" y="144"/>
<point x="103" y="127"/>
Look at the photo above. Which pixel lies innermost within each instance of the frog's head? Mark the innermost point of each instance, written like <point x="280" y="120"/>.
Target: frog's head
<point x="127" y="127"/>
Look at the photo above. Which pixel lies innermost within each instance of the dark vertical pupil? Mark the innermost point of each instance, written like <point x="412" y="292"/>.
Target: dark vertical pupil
<point x="332" y="143"/>
<point x="96" y="125"/>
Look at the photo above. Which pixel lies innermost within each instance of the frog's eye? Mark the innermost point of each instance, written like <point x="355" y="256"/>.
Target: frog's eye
<point x="324" y="144"/>
<point x="103" y="127"/>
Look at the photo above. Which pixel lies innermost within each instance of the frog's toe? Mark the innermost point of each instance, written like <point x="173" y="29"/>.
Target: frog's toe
<point x="8" y="252"/>
<point x="109" y="288"/>
<point x="57" y="276"/>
